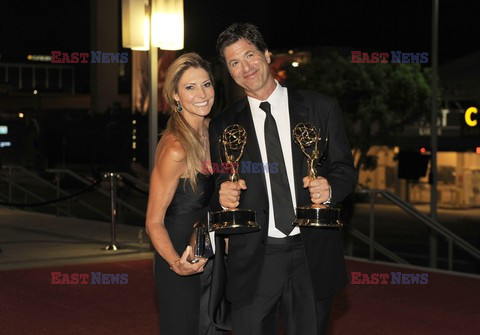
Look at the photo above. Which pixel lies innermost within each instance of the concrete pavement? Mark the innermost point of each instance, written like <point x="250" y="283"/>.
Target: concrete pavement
<point x="33" y="240"/>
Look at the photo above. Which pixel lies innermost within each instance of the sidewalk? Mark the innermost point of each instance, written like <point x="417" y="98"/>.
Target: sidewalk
<point x="34" y="240"/>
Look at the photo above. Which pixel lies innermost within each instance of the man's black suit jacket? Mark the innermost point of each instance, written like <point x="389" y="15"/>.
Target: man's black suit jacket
<point x="323" y="247"/>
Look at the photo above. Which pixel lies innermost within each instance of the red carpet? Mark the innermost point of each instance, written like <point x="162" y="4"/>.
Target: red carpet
<point x="30" y="304"/>
<point x="446" y="305"/>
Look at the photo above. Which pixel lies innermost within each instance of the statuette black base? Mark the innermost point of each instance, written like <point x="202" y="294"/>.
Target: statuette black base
<point x="322" y="217"/>
<point x="233" y="221"/>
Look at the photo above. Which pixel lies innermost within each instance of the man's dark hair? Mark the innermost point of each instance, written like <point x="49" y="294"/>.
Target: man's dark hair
<point x="236" y="32"/>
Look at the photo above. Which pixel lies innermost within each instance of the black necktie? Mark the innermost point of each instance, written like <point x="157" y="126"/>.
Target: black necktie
<point x="282" y="198"/>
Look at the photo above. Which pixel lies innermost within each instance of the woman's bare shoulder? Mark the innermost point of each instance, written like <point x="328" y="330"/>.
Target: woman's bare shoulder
<point x="170" y="147"/>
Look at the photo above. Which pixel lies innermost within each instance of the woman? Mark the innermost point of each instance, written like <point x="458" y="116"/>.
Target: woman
<point x="180" y="190"/>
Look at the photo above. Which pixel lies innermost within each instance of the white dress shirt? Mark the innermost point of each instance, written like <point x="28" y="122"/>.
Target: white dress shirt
<point x="279" y="107"/>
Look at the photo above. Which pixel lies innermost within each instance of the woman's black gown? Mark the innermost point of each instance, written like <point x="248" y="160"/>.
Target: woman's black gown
<point x="182" y="301"/>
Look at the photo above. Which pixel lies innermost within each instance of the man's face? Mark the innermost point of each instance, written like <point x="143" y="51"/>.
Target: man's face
<point x="249" y="68"/>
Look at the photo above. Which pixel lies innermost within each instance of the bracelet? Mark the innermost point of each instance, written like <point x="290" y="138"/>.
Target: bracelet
<point x="175" y="261"/>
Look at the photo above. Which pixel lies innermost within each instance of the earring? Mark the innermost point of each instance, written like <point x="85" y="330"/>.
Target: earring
<point x="179" y="106"/>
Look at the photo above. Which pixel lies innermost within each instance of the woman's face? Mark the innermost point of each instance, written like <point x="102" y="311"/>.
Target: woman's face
<point x="195" y="93"/>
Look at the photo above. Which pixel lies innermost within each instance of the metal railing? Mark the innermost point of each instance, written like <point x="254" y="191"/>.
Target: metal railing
<point x="105" y="193"/>
<point x="451" y="238"/>
<point x="113" y="177"/>
<point x="30" y="185"/>
<point x="115" y="203"/>
<point x="376" y="246"/>
<point x="33" y="176"/>
<point x="42" y="76"/>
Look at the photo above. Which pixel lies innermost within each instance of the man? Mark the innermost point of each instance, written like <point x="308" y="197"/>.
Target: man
<point x="280" y="269"/>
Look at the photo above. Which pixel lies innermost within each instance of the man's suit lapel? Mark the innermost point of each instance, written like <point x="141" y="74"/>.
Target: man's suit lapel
<point x="298" y="113"/>
<point x="244" y="118"/>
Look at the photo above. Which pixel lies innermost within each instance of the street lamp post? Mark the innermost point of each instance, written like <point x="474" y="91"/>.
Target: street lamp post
<point x="153" y="106"/>
<point x="433" y="134"/>
<point x="146" y="26"/>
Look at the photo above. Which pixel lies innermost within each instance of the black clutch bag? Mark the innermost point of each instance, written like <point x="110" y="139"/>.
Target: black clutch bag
<point x="200" y="242"/>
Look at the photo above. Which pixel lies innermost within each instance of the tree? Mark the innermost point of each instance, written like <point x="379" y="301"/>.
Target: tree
<point x="378" y="100"/>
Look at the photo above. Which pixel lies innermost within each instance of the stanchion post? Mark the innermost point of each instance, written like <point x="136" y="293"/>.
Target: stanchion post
<point x="113" y="203"/>
<point x="10" y="196"/>
<point x="371" y="249"/>
<point x="57" y="176"/>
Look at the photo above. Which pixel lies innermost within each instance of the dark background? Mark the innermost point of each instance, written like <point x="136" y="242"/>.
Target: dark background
<point x="73" y="137"/>
<point x="42" y="26"/>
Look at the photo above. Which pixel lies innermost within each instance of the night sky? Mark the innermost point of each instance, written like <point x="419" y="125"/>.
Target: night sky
<point x="41" y="26"/>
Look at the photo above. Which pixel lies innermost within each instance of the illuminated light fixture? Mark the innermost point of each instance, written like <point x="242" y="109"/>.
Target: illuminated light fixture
<point x="35" y="92"/>
<point x="423" y="150"/>
<point x="295" y="64"/>
<point x="468" y="116"/>
<point x="135" y="25"/>
<point x="166" y="32"/>
<point x="21" y="115"/>
<point x="167" y="24"/>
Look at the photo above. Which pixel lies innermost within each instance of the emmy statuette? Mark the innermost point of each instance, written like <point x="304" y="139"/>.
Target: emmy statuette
<point x="235" y="220"/>
<point x="314" y="215"/>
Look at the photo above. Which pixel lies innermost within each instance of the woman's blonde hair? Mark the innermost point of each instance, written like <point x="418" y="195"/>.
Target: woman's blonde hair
<point x="177" y="125"/>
